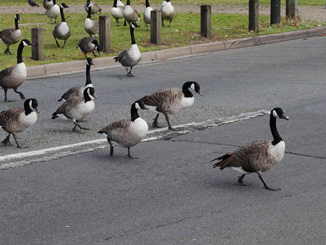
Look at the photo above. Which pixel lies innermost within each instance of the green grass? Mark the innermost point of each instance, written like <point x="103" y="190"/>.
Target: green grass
<point x="183" y="31"/>
<point x="242" y="2"/>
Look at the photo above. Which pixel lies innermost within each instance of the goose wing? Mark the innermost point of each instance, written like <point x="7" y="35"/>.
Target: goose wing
<point x="252" y="157"/>
<point x="117" y="131"/>
<point x="163" y="98"/>
<point x="5" y="72"/>
<point x="10" y="117"/>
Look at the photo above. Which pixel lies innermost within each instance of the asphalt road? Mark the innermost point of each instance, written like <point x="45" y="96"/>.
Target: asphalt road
<point x="171" y="194"/>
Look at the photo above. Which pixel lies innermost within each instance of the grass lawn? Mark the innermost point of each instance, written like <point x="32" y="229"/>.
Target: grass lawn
<point x="184" y="30"/>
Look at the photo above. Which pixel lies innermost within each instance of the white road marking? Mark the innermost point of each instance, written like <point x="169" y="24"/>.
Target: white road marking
<point x="47" y="154"/>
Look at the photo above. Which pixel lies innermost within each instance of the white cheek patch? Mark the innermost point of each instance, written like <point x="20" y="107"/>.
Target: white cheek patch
<point x="192" y="86"/>
<point x="25" y="44"/>
<point x="275" y="114"/>
<point x="137" y="106"/>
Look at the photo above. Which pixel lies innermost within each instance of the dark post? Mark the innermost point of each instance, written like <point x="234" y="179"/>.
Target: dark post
<point x="156" y="23"/>
<point x="205" y="21"/>
<point x="275" y="12"/>
<point x="38" y="50"/>
<point x="253" y="15"/>
<point x="105" y="34"/>
<point x="290" y="9"/>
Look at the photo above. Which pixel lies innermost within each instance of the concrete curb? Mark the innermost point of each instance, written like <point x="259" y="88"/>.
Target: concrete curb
<point x="56" y="69"/>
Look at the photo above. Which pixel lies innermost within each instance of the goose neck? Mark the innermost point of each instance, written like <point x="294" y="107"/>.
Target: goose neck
<point x="16" y="24"/>
<point x="62" y="15"/>
<point x="20" y="53"/>
<point x="147" y="4"/>
<point x="276" y="137"/>
<point x="88" y="75"/>
<point x="128" y="2"/>
<point x="133" y="40"/>
<point x="186" y="91"/>
<point x="115" y="3"/>
<point x="134" y="113"/>
<point x="89" y="13"/>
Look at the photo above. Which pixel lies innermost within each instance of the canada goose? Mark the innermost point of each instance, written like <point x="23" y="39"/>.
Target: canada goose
<point x="11" y="35"/>
<point x="33" y="3"/>
<point x="258" y="156"/>
<point x="62" y="31"/>
<point x="168" y="12"/>
<point x="130" y="57"/>
<point x="91" y="26"/>
<point x="47" y="4"/>
<point x="53" y="12"/>
<point x="95" y="7"/>
<point x="147" y="14"/>
<point x="79" y="90"/>
<point x="18" y="119"/>
<point x="131" y="15"/>
<point x="77" y="108"/>
<point x="117" y="11"/>
<point x="126" y="133"/>
<point x="171" y="100"/>
<point x="13" y="77"/>
<point x="89" y="45"/>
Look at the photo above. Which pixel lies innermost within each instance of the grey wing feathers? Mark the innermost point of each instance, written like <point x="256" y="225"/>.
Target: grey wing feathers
<point x="10" y="116"/>
<point x="5" y="72"/>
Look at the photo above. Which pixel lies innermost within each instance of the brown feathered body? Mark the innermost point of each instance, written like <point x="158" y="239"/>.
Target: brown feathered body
<point x="258" y="156"/>
<point x="170" y="101"/>
<point x="15" y="120"/>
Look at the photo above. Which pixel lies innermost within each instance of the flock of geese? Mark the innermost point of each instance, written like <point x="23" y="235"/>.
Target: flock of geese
<point x="78" y="103"/>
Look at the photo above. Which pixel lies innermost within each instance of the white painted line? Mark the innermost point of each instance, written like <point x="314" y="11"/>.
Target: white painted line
<point x="21" y="159"/>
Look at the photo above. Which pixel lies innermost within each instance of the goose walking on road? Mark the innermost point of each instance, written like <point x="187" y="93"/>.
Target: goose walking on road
<point x="171" y="100"/>
<point x="126" y="133"/>
<point x="76" y="108"/>
<point x="13" y="77"/>
<point x="79" y="90"/>
<point x="62" y="31"/>
<point x="130" y="57"/>
<point x="18" y="119"/>
<point x="11" y="35"/>
<point x="258" y="156"/>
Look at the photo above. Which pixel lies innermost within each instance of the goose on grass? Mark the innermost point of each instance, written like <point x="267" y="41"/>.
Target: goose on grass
<point x="11" y="35"/>
<point x="13" y="77"/>
<point x="18" y="119"/>
<point x="258" y="156"/>
<point x="130" y="14"/>
<point x="147" y="14"/>
<point x="89" y="45"/>
<point x="170" y="101"/>
<point x="62" y="31"/>
<point x="117" y="11"/>
<point x="168" y="12"/>
<point x="125" y="132"/>
<point x="92" y="27"/>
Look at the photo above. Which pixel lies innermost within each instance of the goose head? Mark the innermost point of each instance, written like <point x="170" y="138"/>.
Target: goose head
<point x="63" y="6"/>
<point x="139" y="105"/>
<point x="30" y="105"/>
<point x="278" y="113"/>
<point x="192" y="85"/>
<point x="89" y="61"/>
<point x="89" y="94"/>
<point x="97" y="47"/>
<point x="17" y="17"/>
<point x="26" y="43"/>
<point x="134" y="25"/>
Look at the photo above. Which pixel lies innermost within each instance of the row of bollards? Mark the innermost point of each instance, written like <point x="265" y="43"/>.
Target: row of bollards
<point x="156" y="23"/>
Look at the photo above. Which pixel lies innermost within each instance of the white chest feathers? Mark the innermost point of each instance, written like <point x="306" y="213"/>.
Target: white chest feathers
<point x="139" y="128"/>
<point x="63" y="29"/>
<point x="277" y="151"/>
<point x="19" y="72"/>
<point x="53" y="12"/>
<point x="88" y="24"/>
<point x="134" y="53"/>
<point x="27" y="121"/>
